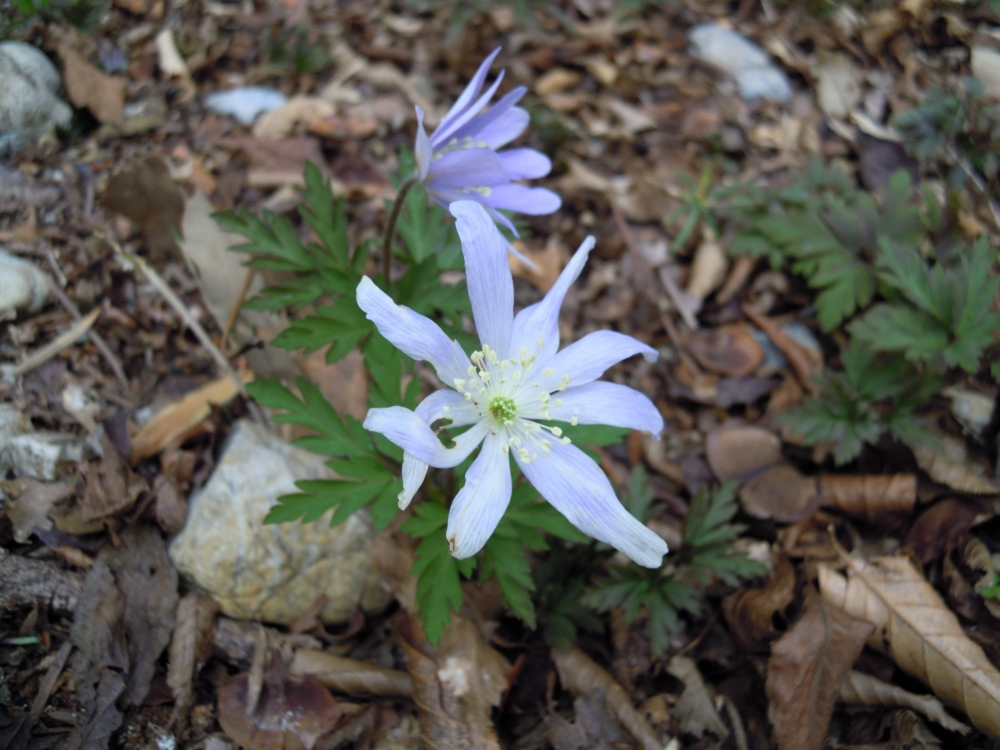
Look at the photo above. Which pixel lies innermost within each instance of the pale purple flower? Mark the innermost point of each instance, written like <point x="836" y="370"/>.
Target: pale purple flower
<point x="460" y="161"/>
<point x="518" y="377"/>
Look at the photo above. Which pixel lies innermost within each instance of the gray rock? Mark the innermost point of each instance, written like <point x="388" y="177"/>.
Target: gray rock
<point x="29" y="103"/>
<point x="273" y="573"/>
<point x="37" y="455"/>
<point x="23" y="286"/>
<point x="731" y="52"/>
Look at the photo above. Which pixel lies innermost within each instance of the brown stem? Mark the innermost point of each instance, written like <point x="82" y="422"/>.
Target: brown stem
<point x="390" y="227"/>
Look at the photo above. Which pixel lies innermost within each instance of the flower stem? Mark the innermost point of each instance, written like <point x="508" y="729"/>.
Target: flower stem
<point x="390" y="227"/>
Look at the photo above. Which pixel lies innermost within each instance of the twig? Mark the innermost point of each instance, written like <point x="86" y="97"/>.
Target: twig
<point x="51" y="349"/>
<point x="49" y="681"/>
<point x="978" y="181"/>
<point x="234" y="313"/>
<point x="99" y="342"/>
<point x="390" y="227"/>
<point x="181" y="309"/>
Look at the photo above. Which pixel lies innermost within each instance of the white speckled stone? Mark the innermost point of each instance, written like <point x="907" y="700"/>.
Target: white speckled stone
<point x="728" y="50"/>
<point x="22" y="285"/>
<point x="273" y="573"/>
<point x="29" y="103"/>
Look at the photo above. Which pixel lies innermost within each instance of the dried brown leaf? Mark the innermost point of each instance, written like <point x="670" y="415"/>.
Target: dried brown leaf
<point x="866" y="690"/>
<point x="110" y="485"/>
<point x="913" y="625"/>
<point x="281" y="122"/>
<point x="350" y="675"/>
<point x="144" y="192"/>
<point x="579" y="674"/>
<point x="804" y="362"/>
<point x="548" y="263"/>
<point x="940" y="528"/>
<point x="781" y="493"/>
<point x="28" y="503"/>
<point x="694" y="710"/>
<point x="173" y="422"/>
<point x="881" y="499"/>
<point x="751" y="612"/>
<point x="288" y="711"/>
<point x="191" y="646"/>
<point x="950" y="465"/>
<point x="86" y="86"/>
<point x="737" y="451"/>
<point x="807" y="665"/>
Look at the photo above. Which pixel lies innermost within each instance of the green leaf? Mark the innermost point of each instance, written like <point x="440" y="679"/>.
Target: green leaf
<point x="342" y="327"/>
<point x="506" y="559"/>
<point x="439" y="583"/>
<point x="325" y="217"/>
<point x="320" y="495"/>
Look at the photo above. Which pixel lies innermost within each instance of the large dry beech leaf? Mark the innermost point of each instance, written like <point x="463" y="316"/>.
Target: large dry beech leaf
<point x="807" y="666"/>
<point x="880" y="499"/>
<point x="920" y="633"/>
<point x="866" y="690"/>
<point x="950" y="465"/>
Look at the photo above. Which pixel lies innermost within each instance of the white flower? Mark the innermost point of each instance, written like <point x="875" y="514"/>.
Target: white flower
<point x="517" y="378"/>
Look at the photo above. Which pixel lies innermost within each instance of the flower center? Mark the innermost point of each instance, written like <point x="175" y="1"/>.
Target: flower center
<point x="502" y="408"/>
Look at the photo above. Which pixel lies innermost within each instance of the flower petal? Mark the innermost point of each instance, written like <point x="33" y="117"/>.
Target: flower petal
<point x="497" y="112"/>
<point x="524" y="163"/>
<point x="446" y="131"/>
<point x="586" y="360"/>
<point x="606" y="403"/>
<point x="578" y="489"/>
<point x="487" y="272"/>
<point x="505" y="128"/>
<point x="414" y="472"/>
<point x="479" y="506"/>
<point x="411" y="433"/>
<point x="471" y="167"/>
<point x="541" y="320"/>
<point x="412" y="333"/>
<point x="472" y="90"/>
<point x="422" y="148"/>
<point x="525" y="200"/>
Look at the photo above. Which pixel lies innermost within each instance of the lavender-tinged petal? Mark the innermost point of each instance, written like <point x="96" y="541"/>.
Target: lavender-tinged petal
<point x="525" y="200"/>
<point x="525" y="163"/>
<point x="414" y="472"/>
<point x="541" y="320"/>
<point x="422" y="148"/>
<point x="404" y="428"/>
<point x="578" y="489"/>
<point x="482" y="122"/>
<point x="471" y="91"/>
<point x="448" y="404"/>
<point x="479" y="506"/>
<point x="447" y="130"/>
<point x="605" y="403"/>
<point x="416" y="336"/>
<point x="586" y="360"/>
<point x="471" y="167"/>
<point x="498" y="217"/>
<point x="505" y="129"/>
<point x="487" y="272"/>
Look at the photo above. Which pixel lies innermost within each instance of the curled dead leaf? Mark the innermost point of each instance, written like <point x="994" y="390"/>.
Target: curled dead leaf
<point x="940" y="528"/>
<point x="915" y="627"/>
<point x="866" y="690"/>
<point x="350" y="675"/>
<point x="738" y="451"/>
<point x="949" y="465"/>
<point x="882" y="500"/>
<point x="730" y="350"/>
<point x="709" y="267"/>
<point x="695" y="710"/>
<point x="807" y="666"/>
<point x="751" y="611"/>
<point x="781" y="493"/>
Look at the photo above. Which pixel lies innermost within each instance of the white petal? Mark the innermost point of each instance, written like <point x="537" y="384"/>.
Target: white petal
<point x="578" y="489"/>
<point x="422" y="147"/>
<point x="586" y="360"/>
<point x="415" y="335"/>
<point x="491" y="287"/>
<point x="411" y="433"/>
<point x="605" y="403"/>
<point x="414" y="471"/>
<point x="447" y="404"/>
<point x="541" y="320"/>
<point x="479" y="506"/>
<point x="471" y="91"/>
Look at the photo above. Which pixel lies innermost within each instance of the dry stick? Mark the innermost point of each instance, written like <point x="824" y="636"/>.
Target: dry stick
<point x="99" y="342"/>
<point x="977" y="181"/>
<point x="234" y="313"/>
<point x="51" y="349"/>
<point x="180" y="308"/>
<point x="390" y="227"/>
<point x="49" y="681"/>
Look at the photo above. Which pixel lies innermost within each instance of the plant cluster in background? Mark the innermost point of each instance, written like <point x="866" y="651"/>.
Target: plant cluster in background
<point x="17" y="16"/>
